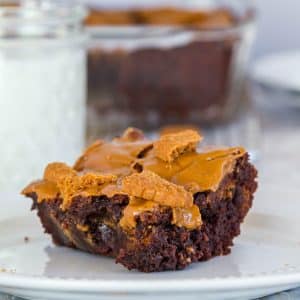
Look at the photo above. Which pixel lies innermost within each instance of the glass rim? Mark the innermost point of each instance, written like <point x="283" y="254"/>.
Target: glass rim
<point x="41" y="11"/>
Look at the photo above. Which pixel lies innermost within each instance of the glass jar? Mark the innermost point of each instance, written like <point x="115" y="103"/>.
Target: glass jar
<point x="42" y="87"/>
<point x="168" y="64"/>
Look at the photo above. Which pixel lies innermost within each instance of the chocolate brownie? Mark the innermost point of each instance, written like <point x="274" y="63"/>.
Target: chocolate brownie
<point x="187" y="80"/>
<point x="152" y="205"/>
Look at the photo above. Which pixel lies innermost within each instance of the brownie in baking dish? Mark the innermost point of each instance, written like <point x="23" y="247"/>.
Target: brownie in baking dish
<point x="152" y="205"/>
<point x="154" y="67"/>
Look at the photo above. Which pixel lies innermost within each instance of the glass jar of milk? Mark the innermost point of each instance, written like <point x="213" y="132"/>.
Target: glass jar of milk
<point x="42" y="87"/>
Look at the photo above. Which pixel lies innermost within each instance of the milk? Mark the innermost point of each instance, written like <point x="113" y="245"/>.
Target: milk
<point x="42" y="107"/>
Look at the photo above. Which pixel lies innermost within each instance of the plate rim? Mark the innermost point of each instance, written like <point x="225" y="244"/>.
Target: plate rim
<point x="257" y="75"/>
<point x="155" y="285"/>
<point x="277" y="278"/>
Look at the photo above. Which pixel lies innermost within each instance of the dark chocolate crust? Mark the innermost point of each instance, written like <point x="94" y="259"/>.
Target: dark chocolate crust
<point x="92" y="224"/>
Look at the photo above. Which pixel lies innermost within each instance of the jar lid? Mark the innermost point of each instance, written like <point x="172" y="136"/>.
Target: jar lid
<point x="34" y="18"/>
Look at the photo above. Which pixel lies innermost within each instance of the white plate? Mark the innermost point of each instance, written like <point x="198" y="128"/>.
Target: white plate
<point x="265" y="259"/>
<point x="280" y="70"/>
<point x="276" y="80"/>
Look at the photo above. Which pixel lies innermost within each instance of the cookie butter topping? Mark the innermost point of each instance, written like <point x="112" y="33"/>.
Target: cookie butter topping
<point x="115" y="157"/>
<point x="197" y="171"/>
<point x="149" y="186"/>
<point x="218" y="18"/>
<point x="188" y="217"/>
<point x="165" y="173"/>
<point x="61" y="180"/>
<point x="44" y="189"/>
<point x="149" y="190"/>
<point x="170" y="146"/>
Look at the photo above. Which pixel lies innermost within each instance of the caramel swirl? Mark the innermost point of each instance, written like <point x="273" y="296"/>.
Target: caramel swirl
<point x="189" y="218"/>
<point x="203" y="171"/>
<point x="114" y="157"/>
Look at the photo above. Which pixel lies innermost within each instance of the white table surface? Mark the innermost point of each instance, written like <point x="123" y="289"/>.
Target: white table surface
<point x="279" y="165"/>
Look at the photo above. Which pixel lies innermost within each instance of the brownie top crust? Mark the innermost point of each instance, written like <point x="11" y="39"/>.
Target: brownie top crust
<point x="166" y="172"/>
<point x="205" y="19"/>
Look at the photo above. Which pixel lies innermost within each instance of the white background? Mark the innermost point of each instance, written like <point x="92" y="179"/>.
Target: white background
<point x="279" y="26"/>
